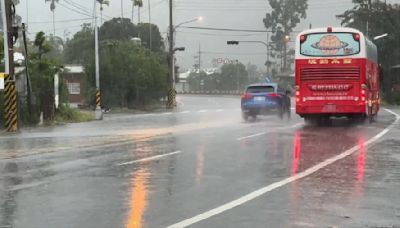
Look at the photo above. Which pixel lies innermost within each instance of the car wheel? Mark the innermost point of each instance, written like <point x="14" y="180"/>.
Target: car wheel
<point x="245" y="116"/>
<point x="289" y="113"/>
<point x="281" y="112"/>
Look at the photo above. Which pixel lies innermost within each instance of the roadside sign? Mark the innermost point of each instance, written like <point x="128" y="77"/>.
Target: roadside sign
<point x="1" y="81"/>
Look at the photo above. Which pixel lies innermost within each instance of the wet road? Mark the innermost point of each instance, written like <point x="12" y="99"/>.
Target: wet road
<point x="201" y="166"/>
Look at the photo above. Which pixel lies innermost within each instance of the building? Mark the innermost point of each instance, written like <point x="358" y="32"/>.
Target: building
<point x="73" y="77"/>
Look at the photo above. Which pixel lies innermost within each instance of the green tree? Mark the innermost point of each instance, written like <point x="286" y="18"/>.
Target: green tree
<point x="118" y="29"/>
<point x="233" y="76"/>
<point x="42" y="71"/>
<point x="284" y="17"/>
<point x="80" y="49"/>
<point x="254" y="74"/>
<point x="144" y="35"/>
<point x="131" y="76"/>
<point x="382" y="18"/>
<point x="200" y="81"/>
<point x="53" y="8"/>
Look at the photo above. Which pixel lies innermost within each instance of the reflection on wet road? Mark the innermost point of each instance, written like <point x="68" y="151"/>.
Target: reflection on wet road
<point x="161" y="169"/>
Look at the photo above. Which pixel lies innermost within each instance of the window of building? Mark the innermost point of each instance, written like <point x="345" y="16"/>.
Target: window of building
<point x="74" y="88"/>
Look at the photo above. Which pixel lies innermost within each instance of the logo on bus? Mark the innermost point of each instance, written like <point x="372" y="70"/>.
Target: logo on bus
<point x="334" y="87"/>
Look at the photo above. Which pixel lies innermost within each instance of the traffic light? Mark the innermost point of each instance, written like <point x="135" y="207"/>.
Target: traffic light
<point x="232" y="42"/>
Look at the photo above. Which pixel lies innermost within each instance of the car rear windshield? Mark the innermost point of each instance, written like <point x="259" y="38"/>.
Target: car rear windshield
<point x="261" y="89"/>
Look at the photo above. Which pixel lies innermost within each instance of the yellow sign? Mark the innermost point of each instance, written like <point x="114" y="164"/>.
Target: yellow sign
<point x="347" y="61"/>
<point x="1" y="80"/>
<point x="323" y="61"/>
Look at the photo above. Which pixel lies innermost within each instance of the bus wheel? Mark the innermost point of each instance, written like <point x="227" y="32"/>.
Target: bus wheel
<point x="370" y="115"/>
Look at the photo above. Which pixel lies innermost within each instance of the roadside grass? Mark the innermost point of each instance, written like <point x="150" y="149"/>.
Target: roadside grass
<point x="66" y="114"/>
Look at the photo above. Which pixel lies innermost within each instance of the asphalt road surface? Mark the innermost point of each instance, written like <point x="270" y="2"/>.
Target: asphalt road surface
<point x="202" y="166"/>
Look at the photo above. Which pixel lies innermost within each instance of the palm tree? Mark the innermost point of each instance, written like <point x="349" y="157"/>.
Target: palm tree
<point x="52" y="8"/>
<point x="133" y="9"/>
<point x="139" y="4"/>
<point x="102" y="2"/>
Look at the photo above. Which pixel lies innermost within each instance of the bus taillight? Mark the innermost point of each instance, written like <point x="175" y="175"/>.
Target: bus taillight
<point x="297" y="96"/>
<point x="303" y="38"/>
<point x="356" y="36"/>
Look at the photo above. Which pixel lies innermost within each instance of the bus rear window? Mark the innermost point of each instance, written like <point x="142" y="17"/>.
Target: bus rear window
<point x="330" y="44"/>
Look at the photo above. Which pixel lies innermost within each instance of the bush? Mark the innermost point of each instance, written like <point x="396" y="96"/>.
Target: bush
<point x="66" y="114"/>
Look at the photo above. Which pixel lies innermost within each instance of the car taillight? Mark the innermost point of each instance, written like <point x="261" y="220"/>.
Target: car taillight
<point x="273" y="95"/>
<point x="247" y="96"/>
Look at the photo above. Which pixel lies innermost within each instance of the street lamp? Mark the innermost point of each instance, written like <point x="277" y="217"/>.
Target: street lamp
<point x="189" y="21"/>
<point x="172" y="50"/>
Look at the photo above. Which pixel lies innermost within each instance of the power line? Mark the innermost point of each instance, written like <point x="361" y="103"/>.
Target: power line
<point x="226" y="29"/>
<point x="74" y="10"/>
<point x="61" y="21"/>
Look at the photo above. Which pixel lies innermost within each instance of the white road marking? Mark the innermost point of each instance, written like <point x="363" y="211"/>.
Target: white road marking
<point x="202" y="111"/>
<point x="149" y="158"/>
<point x="252" y="136"/>
<point x="265" y="132"/>
<point x="220" y="110"/>
<point x="185" y="112"/>
<point x="166" y="113"/>
<point x="246" y="198"/>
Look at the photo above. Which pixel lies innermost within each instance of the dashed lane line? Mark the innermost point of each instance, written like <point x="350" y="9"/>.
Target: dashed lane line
<point x="157" y="157"/>
<point x="262" y="191"/>
<point x="266" y="132"/>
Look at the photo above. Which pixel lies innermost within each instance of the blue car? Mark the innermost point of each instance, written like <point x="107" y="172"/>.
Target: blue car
<point x="265" y="99"/>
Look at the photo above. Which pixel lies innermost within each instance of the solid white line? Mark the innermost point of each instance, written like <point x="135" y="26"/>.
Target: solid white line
<point x="166" y="113"/>
<point x="220" y="110"/>
<point x="202" y="111"/>
<point x="150" y="158"/>
<point x="391" y="112"/>
<point x="246" y="198"/>
<point x="185" y="112"/>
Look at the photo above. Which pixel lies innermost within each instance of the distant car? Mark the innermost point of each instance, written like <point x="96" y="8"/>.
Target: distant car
<point x="265" y="99"/>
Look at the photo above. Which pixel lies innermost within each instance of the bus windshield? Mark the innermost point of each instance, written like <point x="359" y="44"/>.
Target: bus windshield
<point x="330" y="44"/>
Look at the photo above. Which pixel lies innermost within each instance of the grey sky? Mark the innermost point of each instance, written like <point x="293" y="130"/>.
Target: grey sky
<point x="237" y="14"/>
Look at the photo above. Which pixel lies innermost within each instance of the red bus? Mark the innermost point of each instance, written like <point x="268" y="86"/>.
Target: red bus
<point x="337" y="75"/>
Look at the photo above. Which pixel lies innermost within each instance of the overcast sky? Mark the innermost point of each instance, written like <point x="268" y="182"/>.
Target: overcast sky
<point x="235" y="14"/>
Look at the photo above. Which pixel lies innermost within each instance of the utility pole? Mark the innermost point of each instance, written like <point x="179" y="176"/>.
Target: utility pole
<point x="171" y="89"/>
<point x="11" y="102"/>
<point x="151" y="38"/>
<point x="369" y="17"/>
<point x="98" y="112"/>
<point x="122" y="9"/>
<point x="199" y="58"/>
<point x="28" y="79"/>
